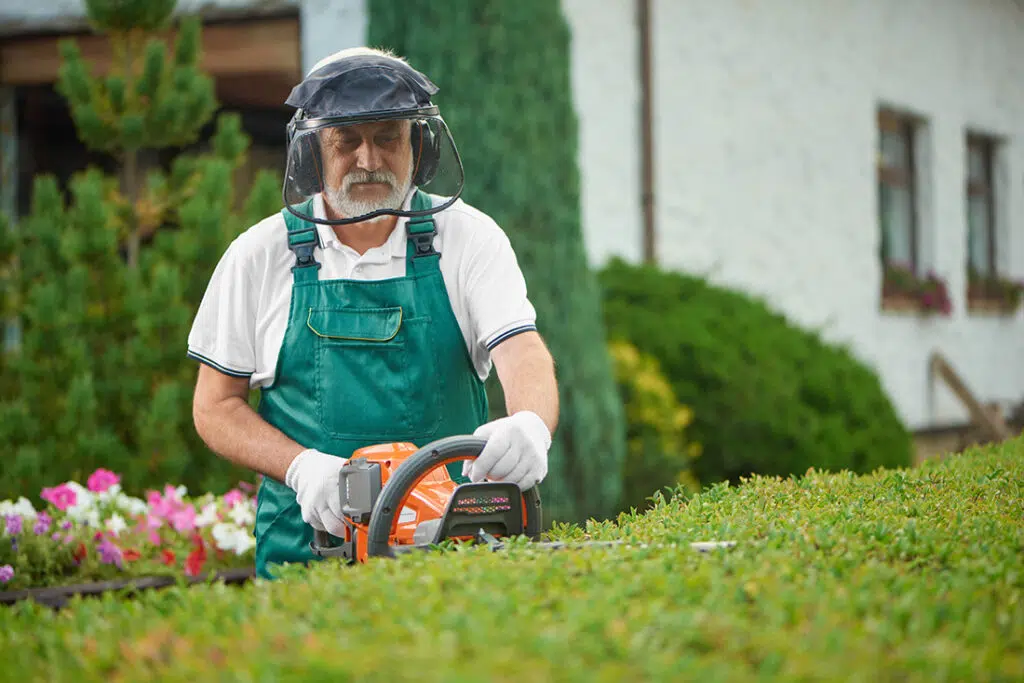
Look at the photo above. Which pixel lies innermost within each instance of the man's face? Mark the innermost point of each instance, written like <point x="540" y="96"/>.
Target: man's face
<point x="367" y="166"/>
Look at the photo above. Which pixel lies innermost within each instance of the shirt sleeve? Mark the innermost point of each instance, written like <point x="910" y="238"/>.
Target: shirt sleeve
<point x="496" y="293"/>
<point x="223" y="332"/>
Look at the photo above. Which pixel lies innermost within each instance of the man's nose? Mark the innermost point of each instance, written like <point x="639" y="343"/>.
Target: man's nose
<point x="368" y="156"/>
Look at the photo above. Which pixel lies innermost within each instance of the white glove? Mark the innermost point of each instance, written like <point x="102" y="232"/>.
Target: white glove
<point x="516" y="451"/>
<point x="314" y="478"/>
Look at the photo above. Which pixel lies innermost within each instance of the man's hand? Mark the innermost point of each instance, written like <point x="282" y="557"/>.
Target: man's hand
<point x="314" y="478"/>
<point x="516" y="451"/>
<point x="517" y="445"/>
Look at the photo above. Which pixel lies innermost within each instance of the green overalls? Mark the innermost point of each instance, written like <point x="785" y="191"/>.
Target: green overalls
<point x="362" y="363"/>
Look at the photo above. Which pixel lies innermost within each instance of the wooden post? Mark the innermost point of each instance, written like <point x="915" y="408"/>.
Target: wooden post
<point x="991" y="423"/>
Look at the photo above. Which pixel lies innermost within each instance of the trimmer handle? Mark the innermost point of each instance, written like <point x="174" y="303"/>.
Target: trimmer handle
<point x="407" y="475"/>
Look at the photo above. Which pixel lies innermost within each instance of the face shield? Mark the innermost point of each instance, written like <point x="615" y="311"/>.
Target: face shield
<point x="364" y="138"/>
<point x="368" y="166"/>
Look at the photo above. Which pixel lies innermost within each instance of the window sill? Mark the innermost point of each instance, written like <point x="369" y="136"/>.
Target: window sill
<point x="895" y="303"/>
<point x="983" y="306"/>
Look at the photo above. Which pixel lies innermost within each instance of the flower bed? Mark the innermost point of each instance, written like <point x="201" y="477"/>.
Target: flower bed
<point x="81" y="534"/>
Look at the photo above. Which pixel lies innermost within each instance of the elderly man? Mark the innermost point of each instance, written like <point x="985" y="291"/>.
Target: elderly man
<point x="369" y="310"/>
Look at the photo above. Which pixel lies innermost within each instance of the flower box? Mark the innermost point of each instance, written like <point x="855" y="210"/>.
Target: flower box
<point x="903" y="290"/>
<point x="59" y="596"/>
<point x="96" y="538"/>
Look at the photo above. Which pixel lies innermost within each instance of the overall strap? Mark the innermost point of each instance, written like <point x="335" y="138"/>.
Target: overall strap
<point x="420" y="253"/>
<point x="303" y="239"/>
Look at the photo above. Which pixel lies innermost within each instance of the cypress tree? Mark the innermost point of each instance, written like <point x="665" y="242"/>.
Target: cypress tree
<point x="505" y="92"/>
<point x="105" y="282"/>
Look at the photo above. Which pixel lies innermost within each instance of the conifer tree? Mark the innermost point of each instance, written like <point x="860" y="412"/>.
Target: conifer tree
<point x="502" y="67"/>
<point x="105" y="282"/>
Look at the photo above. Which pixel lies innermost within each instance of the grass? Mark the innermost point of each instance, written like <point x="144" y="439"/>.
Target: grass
<point x="899" y="575"/>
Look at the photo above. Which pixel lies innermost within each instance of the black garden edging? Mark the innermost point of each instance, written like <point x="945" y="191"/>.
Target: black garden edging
<point x="58" y="596"/>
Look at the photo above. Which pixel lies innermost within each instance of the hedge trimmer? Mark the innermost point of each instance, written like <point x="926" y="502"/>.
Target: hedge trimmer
<point x="398" y="498"/>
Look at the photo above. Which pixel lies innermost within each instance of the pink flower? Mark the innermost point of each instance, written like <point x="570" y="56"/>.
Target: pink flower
<point x="159" y="506"/>
<point x="183" y="519"/>
<point x="233" y="497"/>
<point x="149" y="525"/>
<point x="101" y="480"/>
<point x="62" y="496"/>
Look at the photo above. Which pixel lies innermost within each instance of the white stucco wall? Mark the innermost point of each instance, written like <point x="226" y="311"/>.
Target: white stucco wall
<point x="765" y="149"/>
<point x="605" y="60"/>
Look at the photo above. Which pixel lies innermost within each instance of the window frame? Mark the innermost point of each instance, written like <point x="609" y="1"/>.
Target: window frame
<point x="906" y="125"/>
<point x="988" y="146"/>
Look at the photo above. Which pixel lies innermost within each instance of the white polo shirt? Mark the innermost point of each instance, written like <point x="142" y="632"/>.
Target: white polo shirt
<point x="242" y="318"/>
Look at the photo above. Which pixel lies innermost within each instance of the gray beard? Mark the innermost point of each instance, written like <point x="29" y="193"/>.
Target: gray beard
<point x="344" y="204"/>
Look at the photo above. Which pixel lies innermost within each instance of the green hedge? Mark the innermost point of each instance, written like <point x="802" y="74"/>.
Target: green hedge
<point x="910" y="575"/>
<point x="768" y="396"/>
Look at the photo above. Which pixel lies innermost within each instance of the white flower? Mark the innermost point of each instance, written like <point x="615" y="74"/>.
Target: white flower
<point x="208" y="515"/>
<point x="231" y="537"/>
<point x="23" y="508"/>
<point x="181" y="492"/>
<point x="116" y="524"/>
<point x="242" y="515"/>
<point x="85" y="501"/>
<point x="133" y="506"/>
<point x="111" y="494"/>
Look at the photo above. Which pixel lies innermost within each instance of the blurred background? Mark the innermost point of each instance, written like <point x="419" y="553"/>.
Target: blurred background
<point x="762" y="235"/>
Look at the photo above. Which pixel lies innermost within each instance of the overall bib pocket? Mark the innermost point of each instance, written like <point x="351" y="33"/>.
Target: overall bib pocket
<point x="369" y="386"/>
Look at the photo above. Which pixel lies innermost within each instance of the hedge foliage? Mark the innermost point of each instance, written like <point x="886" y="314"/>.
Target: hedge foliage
<point x="768" y="397"/>
<point x="908" y="575"/>
<point x="503" y="69"/>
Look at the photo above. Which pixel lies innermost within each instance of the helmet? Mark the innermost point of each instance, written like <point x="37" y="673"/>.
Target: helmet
<point x="364" y="137"/>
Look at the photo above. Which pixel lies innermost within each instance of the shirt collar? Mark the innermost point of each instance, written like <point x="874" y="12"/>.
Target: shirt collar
<point x="393" y="248"/>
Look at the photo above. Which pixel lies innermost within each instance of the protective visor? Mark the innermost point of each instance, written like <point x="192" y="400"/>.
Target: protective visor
<point x="368" y="167"/>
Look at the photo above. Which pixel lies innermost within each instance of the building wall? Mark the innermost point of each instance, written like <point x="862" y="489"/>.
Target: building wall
<point x="765" y="139"/>
<point x="765" y="148"/>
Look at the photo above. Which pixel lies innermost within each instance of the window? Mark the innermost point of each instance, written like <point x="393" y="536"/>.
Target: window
<point x="897" y="191"/>
<point x="981" y="206"/>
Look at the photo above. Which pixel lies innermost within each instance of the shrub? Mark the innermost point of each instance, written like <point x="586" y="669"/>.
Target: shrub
<point x="104" y="283"/>
<point x="768" y="397"/>
<point x="909" y="575"/>
<point x="658" y="454"/>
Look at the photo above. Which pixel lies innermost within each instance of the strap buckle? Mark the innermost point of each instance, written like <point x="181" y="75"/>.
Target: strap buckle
<point x="303" y="243"/>
<point x="423" y="243"/>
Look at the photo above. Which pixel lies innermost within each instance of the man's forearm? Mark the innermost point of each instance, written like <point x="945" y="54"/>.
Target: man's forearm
<point x="527" y="374"/>
<point x="236" y="432"/>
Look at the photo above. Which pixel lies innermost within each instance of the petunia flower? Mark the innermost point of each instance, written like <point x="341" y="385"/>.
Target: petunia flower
<point x="101" y="480"/>
<point x="42" y="524"/>
<point x="110" y="553"/>
<point x="183" y="519"/>
<point x="232" y="498"/>
<point x="22" y="507"/>
<point x="116" y="524"/>
<point x="13" y="526"/>
<point x="6" y="573"/>
<point x="61" y="496"/>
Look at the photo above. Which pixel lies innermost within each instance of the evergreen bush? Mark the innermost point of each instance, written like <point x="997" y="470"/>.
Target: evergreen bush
<point x="659" y="452"/>
<point x="104" y="283"/>
<point x="768" y="397"/>
<point x="505" y="92"/>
